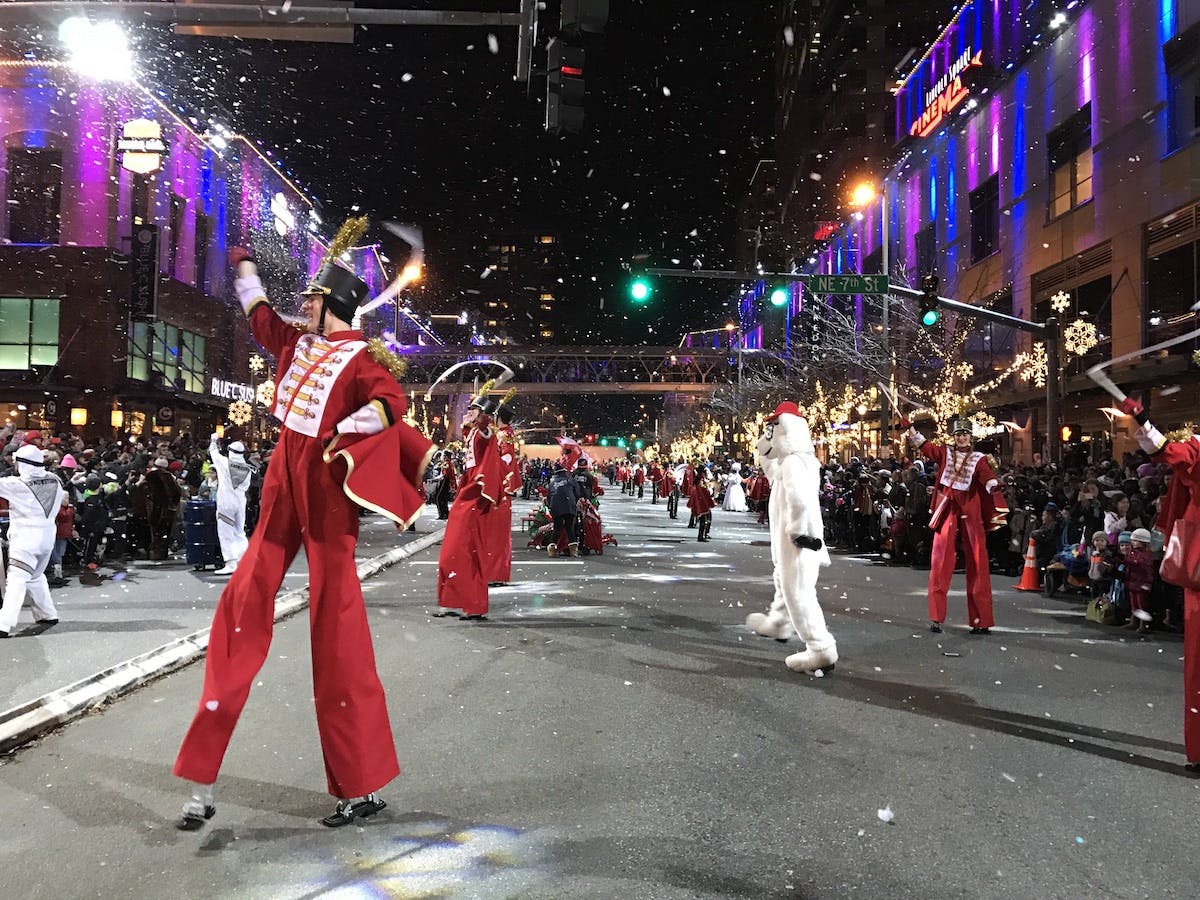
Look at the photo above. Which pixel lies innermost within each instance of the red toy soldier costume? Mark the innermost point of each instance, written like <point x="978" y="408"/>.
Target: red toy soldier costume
<point x="671" y="491"/>
<point x="701" y="503"/>
<point x="1182" y="503"/>
<point x="686" y="483"/>
<point x="655" y="478"/>
<point x="499" y="520"/>
<point x="341" y="443"/>
<point x="464" y="564"/>
<point x="967" y="495"/>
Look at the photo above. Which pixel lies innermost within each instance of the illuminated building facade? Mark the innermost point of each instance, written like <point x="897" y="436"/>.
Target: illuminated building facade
<point x="114" y="301"/>
<point x="1048" y="162"/>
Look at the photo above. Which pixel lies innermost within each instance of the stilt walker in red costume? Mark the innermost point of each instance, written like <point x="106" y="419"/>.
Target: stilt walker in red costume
<point x="500" y="519"/>
<point x="1182" y="505"/>
<point x="465" y="561"/>
<point x="967" y="495"/>
<point x="341" y="445"/>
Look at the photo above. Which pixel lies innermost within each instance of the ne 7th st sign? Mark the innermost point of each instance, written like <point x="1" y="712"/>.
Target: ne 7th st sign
<point x="847" y="284"/>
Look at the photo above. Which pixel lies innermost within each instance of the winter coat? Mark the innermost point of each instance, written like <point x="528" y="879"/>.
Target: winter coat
<point x="563" y="495"/>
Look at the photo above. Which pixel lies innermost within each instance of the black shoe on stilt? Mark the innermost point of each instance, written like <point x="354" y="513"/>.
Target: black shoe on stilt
<point x="347" y="811"/>
<point x="475" y="618"/>
<point x="978" y="630"/>
<point x="935" y="627"/>
<point x="446" y="614"/>
<point x="193" y="820"/>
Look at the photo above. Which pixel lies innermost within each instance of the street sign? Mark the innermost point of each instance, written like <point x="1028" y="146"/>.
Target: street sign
<point x="847" y="284"/>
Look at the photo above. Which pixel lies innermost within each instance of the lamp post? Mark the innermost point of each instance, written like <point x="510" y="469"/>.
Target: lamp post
<point x="863" y="196"/>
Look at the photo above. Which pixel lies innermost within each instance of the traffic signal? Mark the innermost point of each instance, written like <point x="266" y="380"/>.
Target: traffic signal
<point x="1070" y="434"/>
<point x="640" y="289"/>
<point x="637" y="445"/>
<point x="930" y="314"/>
<point x="779" y="295"/>
<point x="564" y="87"/>
<point x="603" y="442"/>
<point x="621" y="443"/>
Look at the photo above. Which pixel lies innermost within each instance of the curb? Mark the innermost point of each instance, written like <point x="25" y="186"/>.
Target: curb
<point x="22" y="724"/>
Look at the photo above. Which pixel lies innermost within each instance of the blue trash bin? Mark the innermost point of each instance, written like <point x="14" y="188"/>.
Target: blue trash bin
<point x="200" y="531"/>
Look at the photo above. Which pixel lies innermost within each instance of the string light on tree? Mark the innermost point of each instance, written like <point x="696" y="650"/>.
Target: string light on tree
<point x="1060" y="302"/>
<point x="1079" y="337"/>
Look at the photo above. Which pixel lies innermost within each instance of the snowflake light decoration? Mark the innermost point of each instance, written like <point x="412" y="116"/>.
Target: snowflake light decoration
<point x="256" y="363"/>
<point x="1079" y="337"/>
<point x="265" y="393"/>
<point x="240" y="412"/>
<point x="1033" y="365"/>
<point x="1060" y="301"/>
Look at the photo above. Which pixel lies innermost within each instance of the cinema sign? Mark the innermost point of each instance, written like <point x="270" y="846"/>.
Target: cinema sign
<point x="946" y="95"/>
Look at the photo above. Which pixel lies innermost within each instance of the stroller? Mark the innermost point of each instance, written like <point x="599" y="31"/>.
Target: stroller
<point x="594" y="537"/>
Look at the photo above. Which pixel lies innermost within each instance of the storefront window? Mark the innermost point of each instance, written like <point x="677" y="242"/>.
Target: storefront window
<point x="28" y="332"/>
<point x="166" y="356"/>
<point x="1172" y="280"/>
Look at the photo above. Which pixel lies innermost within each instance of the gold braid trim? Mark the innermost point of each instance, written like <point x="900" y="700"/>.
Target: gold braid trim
<point x="347" y="236"/>
<point x="385" y="357"/>
<point x="512" y="392"/>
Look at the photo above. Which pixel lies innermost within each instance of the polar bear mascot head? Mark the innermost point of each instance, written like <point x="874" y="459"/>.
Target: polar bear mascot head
<point x="785" y="433"/>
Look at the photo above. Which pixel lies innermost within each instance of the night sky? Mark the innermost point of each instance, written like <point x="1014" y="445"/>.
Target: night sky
<point x="428" y="126"/>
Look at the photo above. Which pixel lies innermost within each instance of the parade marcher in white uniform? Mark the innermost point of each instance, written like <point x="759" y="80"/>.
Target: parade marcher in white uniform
<point x="34" y="497"/>
<point x="735" y="495"/>
<point x="233" y="478"/>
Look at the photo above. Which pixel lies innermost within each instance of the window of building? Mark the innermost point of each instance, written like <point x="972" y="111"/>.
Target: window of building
<point x="166" y="356"/>
<point x="1070" y="149"/>
<point x="34" y="195"/>
<point x="1182" y="61"/>
<point x="28" y="332"/>
<point x="926" y="247"/>
<point x="990" y="347"/>
<point x="175" y="226"/>
<point x="546" y="333"/>
<point x="1090" y="302"/>
<point x="1172" y="285"/>
<point x="546" y="239"/>
<point x="203" y="238"/>
<point x="985" y="219"/>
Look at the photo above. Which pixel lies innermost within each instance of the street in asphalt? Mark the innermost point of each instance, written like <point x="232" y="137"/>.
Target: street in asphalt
<point x="614" y="731"/>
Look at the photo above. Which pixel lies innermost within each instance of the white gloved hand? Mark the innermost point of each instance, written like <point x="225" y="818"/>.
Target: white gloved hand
<point x="213" y="438"/>
<point x="249" y="288"/>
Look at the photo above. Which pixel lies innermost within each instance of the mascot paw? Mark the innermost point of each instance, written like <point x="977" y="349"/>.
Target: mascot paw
<point x="811" y="660"/>
<point x="804" y="542"/>
<point x="769" y="626"/>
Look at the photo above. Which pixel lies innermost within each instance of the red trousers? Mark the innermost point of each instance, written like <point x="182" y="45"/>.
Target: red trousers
<point x="302" y="502"/>
<point x="465" y="559"/>
<point x="1191" y="675"/>
<point x="941" y="570"/>
<point x="499" y="538"/>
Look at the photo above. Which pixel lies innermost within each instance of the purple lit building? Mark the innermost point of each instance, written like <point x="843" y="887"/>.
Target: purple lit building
<point x="1052" y="150"/>
<point x="114" y="300"/>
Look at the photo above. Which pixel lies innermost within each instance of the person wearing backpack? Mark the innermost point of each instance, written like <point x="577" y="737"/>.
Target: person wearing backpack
<point x="563" y="502"/>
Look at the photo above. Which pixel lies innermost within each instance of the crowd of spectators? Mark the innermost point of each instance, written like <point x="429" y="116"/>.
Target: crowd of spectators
<point x="1089" y="527"/>
<point x="124" y="498"/>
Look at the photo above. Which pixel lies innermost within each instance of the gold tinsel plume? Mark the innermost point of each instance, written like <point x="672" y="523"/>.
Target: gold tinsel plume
<point x="486" y="388"/>
<point x="347" y="236"/>
<point x="512" y="392"/>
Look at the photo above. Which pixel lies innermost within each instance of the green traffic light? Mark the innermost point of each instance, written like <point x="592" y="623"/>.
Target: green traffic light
<point x="603" y="442"/>
<point x="930" y="318"/>
<point x="640" y="290"/>
<point x="779" y="296"/>
<point x="637" y="445"/>
<point x="621" y="443"/>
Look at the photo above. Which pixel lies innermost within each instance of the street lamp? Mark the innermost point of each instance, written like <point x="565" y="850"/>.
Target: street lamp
<point x="99" y="50"/>
<point x="864" y="194"/>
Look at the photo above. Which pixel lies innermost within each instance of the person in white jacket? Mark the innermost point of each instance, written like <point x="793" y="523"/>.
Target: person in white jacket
<point x="233" y="479"/>
<point x="34" y="497"/>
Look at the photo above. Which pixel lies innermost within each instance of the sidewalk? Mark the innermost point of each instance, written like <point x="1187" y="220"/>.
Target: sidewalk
<point x="144" y="623"/>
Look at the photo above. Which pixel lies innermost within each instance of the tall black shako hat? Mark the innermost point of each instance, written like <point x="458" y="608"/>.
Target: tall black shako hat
<point x="505" y="411"/>
<point x="482" y="401"/>
<point x="342" y="291"/>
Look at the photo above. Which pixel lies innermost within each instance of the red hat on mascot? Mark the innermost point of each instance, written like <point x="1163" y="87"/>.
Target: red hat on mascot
<point x="787" y="406"/>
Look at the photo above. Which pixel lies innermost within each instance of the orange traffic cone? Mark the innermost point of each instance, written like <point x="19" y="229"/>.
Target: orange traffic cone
<point x="1031" y="579"/>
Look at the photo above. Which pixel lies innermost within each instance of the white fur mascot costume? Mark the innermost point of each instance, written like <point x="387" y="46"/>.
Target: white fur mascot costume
<point x="787" y="456"/>
<point x="34" y="497"/>
<point x="233" y="478"/>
